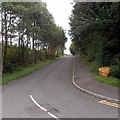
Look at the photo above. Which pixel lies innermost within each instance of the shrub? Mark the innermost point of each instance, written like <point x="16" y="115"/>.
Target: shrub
<point x="9" y="68"/>
<point x="115" y="71"/>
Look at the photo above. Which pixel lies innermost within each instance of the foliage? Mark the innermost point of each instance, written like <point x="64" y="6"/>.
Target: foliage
<point x="115" y="71"/>
<point x="108" y="80"/>
<point x="94" y="68"/>
<point x="29" y="34"/>
<point x="95" y="32"/>
<point x="95" y="25"/>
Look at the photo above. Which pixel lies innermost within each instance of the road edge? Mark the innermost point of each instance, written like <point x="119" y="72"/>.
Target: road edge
<point x="50" y="61"/>
<point x="92" y="93"/>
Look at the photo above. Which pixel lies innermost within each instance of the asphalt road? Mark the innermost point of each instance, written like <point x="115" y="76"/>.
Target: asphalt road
<point x="52" y="88"/>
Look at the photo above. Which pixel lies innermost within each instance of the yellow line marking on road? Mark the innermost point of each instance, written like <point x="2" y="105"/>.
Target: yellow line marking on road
<point x="109" y="103"/>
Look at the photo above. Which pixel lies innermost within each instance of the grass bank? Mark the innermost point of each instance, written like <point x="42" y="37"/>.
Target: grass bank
<point x="93" y="67"/>
<point x="24" y="71"/>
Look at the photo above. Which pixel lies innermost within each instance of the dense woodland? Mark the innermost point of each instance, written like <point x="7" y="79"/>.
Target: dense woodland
<point x="95" y="33"/>
<point x="29" y="35"/>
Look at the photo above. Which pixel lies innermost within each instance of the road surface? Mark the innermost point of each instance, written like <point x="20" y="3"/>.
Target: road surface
<point x="51" y="87"/>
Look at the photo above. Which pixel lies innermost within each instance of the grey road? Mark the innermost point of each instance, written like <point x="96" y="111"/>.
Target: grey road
<point x="52" y="88"/>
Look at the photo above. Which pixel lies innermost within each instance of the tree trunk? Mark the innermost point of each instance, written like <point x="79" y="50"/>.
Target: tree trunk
<point x="6" y="39"/>
<point x="33" y="38"/>
<point x="19" y="40"/>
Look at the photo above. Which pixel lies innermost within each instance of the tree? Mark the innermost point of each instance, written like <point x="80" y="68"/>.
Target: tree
<point x="29" y="30"/>
<point x="94" y="31"/>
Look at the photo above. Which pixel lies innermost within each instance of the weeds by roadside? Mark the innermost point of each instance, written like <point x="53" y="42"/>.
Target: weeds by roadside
<point x="24" y="71"/>
<point x="93" y="67"/>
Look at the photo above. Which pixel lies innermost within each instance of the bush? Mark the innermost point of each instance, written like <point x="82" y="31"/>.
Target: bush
<point x="115" y="71"/>
<point x="9" y="68"/>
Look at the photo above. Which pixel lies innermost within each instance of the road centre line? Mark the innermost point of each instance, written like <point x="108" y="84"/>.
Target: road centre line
<point x="42" y="108"/>
<point x="52" y="115"/>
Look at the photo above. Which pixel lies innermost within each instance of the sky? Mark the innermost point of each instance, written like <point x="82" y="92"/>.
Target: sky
<point x="61" y="11"/>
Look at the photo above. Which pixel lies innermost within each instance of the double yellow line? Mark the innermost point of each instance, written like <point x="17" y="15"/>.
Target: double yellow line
<point x="109" y="103"/>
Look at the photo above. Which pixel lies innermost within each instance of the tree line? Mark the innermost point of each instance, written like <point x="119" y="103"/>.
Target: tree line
<point x="95" y="33"/>
<point x="29" y="35"/>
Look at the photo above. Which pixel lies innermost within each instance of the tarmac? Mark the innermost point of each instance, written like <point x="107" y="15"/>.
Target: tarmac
<point x="84" y="80"/>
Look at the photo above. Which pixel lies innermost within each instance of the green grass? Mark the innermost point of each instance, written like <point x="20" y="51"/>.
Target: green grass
<point x="94" y="69"/>
<point x="24" y="71"/>
<point x="108" y="80"/>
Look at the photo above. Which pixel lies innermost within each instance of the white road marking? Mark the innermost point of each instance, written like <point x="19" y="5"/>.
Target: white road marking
<point x="52" y="115"/>
<point x="42" y="108"/>
<point x="37" y="104"/>
<point x="89" y="92"/>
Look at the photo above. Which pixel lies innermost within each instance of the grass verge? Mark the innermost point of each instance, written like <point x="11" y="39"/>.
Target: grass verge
<point x="94" y="69"/>
<point x="24" y="71"/>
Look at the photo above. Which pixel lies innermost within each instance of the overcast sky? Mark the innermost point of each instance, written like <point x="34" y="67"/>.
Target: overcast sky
<point x="61" y="10"/>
